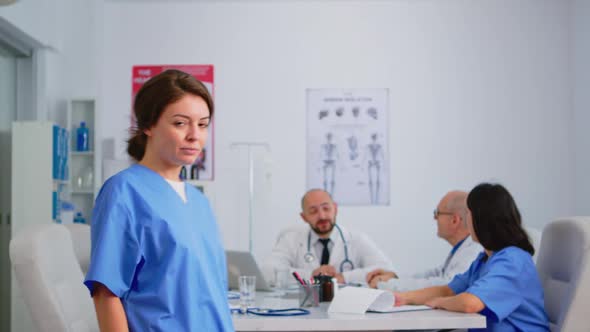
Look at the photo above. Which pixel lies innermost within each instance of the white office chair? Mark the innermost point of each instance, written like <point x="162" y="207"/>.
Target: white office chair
<point x="535" y="236"/>
<point x="50" y="279"/>
<point x="80" y="234"/>
<point x="564" y="269"/>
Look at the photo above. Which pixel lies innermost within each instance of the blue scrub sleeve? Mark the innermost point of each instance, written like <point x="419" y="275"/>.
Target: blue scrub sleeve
<point x="115" y="248"/>
<point x="501" y="288"/>
<point x="461" y="281"/>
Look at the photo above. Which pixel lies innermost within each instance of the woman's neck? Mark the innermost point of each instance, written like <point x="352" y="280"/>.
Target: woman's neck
<point x="167" y="171"/>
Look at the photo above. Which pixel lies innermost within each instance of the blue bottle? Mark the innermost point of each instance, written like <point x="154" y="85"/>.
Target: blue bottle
<point x="79" y="219"/>
<point x="82" y="137"/>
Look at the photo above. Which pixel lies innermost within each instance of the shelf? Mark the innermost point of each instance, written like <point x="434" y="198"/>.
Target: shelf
<point x="82" y="192"/>
<point x="83" y="109"/>
<point x="82" y="153"/>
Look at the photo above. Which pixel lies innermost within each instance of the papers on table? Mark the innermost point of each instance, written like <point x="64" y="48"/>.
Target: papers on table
<point x="356" y="300"/>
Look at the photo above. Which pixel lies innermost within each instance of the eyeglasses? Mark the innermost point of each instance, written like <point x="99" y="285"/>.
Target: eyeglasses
<point x="437" y="213"/>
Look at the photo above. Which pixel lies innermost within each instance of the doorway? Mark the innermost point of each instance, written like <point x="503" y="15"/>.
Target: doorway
<point x="8" y="83"/>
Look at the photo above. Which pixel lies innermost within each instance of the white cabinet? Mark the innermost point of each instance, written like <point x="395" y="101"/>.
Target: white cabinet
<point x="39" y="172"/>
<point x="39" y="181"/>
<point x="84" y="165"/>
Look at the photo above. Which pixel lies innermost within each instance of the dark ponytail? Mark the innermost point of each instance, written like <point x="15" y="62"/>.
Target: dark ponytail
<point x="136" y="145"/>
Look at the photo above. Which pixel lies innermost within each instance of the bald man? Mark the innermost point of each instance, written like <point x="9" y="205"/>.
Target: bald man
<point x="323" y="246"/>
<point x="450" y="215"/>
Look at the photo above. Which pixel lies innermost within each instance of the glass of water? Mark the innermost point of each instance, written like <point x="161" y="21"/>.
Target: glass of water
<point x="282" y="279"/>
<point x="247" y="292"/>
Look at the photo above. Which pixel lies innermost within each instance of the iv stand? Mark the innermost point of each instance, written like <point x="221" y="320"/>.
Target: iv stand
<point x="250" y="146"/>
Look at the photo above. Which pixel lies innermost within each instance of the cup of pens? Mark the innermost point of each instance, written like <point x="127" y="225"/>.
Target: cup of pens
<point x="309" y="295"/>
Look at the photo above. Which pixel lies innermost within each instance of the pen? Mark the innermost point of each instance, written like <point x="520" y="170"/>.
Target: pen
<point x="296" y="275"/>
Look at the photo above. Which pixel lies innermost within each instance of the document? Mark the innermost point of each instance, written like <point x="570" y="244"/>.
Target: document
<point x="355" y="300"/>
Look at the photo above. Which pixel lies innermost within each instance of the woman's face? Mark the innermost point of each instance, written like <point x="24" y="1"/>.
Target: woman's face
<point x="470" y="226"/>
<point x="181" y="132"/>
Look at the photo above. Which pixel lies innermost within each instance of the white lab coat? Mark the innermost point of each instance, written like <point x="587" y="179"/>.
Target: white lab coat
<point x="291" y="246"/>
<point x="440" y="275"/>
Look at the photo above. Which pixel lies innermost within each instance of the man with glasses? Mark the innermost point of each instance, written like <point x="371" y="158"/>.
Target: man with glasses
<point x="450" y="216"/>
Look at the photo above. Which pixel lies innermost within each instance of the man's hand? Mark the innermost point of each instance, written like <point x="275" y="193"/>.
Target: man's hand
<point x="325" y="270"/>
<point x="340" y="278"/>
<point x="375" y="276"/>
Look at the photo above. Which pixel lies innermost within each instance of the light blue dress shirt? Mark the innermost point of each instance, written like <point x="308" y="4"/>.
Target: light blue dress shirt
<point x="161" y="256"/>
<point x="509" y="286"/>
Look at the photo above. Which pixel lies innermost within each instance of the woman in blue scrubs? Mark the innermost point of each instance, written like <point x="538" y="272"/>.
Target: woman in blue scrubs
<point x="502" y="283"/>
<point x="157" y="263"/>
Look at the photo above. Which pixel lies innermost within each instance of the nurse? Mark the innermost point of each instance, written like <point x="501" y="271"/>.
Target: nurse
<point x="157" y="263"/>
<point x="502" y="283"/>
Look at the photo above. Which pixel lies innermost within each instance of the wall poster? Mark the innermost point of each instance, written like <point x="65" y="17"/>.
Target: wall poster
<point x="347" y="144"/>
<point x="202" y="169"/>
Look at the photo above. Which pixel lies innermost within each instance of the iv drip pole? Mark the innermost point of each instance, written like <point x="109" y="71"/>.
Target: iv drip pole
<point x="250" y="146"/>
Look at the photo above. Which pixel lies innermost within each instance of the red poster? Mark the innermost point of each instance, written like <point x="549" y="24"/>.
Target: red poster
<point x="202" y="169"/>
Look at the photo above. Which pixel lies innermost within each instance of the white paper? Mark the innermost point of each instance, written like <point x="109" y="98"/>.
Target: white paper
<point x="356" y="300"/>
<point x="401" y="308"/>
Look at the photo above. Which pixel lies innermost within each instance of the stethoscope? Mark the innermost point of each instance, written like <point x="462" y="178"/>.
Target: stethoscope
<point x="272" y="312"/>
<point x="309" y="257"/>
<point x="451" y="254"/>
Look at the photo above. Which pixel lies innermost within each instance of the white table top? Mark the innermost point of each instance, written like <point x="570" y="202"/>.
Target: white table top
<point x="320" y="320"/>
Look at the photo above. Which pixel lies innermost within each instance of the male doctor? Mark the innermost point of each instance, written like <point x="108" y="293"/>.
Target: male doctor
<point x="450" y="216"/>
<point x="324" y="247"/>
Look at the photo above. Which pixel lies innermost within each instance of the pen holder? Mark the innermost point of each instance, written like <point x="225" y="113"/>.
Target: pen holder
<point x="309" y="295"/>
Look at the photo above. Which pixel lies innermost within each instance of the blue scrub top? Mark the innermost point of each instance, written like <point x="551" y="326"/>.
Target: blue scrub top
<point x="161" y="256"/>
<point x="509" y="286"/>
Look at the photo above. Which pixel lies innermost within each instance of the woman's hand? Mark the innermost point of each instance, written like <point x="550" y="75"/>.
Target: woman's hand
<point x="463" y="302"/>
<point x="436" y="303"/>
<point x="400" y="299"/>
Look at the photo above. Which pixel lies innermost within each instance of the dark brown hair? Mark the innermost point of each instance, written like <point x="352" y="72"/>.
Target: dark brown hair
<point x="496" y="219"/>
<point x="154" y="96"/>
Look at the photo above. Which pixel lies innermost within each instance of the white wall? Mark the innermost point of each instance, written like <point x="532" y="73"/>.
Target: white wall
<point x="580" y="69"/>
<point x="37" y="18"/>
<point x="68" y="61"/>
<point x="480" y="90"/>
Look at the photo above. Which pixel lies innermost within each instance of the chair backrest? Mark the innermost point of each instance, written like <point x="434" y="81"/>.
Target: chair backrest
<point x="535" y="237"/>
<point x="50" y="279"/>
<point x="564" y="269"/>
<point x="80" y="234"/>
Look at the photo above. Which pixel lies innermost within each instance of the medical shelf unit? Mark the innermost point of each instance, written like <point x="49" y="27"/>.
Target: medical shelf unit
<point x="39" y="182"/>
<point x="84" y="165"/>
<point x="39" y="172"/>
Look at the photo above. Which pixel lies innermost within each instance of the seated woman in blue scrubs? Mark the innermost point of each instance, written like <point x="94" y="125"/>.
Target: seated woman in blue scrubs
<point x="157" y="263"/>
<point x="502" y="283"/>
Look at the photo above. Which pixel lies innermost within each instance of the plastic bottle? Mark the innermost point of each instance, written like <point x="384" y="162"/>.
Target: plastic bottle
<point x="194" y="172"/>
<point x="183" y="173"/>
<point x="79" y="219"/>
<point x="82" y="137"/>
<point x="67" y="212"/>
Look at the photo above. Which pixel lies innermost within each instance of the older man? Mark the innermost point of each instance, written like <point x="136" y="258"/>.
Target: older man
<point x="323" y="247"/>
<point x="450" y="216"/>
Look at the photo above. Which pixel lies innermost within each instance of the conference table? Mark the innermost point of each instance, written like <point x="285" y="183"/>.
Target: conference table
<point x="320" y="320"/>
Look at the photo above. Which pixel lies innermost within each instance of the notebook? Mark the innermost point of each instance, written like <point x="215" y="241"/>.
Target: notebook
<point x="357" y="300"/>
<point x="242" y="263"/>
